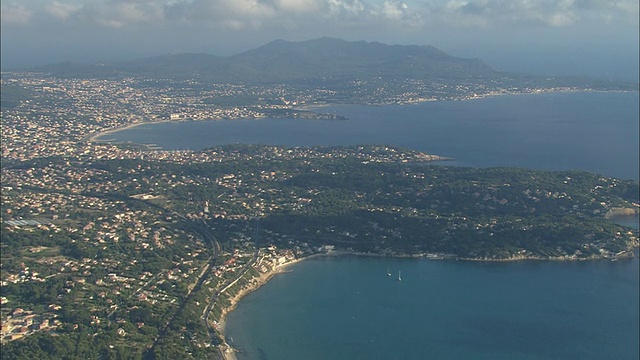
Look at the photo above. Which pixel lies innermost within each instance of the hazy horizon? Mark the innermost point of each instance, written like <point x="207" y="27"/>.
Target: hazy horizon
<point x="586" y="38"/>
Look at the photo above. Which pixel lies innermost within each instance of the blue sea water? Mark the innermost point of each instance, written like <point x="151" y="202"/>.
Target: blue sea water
<point x="596" y="132"/>
<point x="348" y="308"/>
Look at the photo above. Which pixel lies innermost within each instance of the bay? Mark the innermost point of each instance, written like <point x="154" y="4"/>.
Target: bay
<point x="596" y="132"/>
<point x="348" y="308"/>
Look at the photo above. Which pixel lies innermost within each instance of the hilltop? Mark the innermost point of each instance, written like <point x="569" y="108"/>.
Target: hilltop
<point x="324" y="61"/>
<point x="115" y="251"/>
<point x="284" y="61"/>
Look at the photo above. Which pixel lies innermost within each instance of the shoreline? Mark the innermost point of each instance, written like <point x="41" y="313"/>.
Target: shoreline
<point x="228" y="350"/>
<point x="256" y="283"/>
<point x="94" y="137"/>
<point x="310" y="107"/>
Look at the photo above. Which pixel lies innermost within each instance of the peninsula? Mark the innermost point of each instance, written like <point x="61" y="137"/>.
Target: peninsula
<point x="118" y="251"/>
<point x="148" y="248"/>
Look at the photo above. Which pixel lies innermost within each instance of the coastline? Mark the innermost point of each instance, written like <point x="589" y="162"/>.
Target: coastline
<point x="229" y="352"/>
<point x="311" y="107"/>
<point x="95" y="137"/>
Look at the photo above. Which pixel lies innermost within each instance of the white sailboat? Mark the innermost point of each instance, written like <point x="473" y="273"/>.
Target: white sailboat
<point x="399" y="275"/>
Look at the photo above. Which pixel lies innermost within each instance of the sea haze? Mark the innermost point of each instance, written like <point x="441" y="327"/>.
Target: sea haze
<point x="596" y="132"/>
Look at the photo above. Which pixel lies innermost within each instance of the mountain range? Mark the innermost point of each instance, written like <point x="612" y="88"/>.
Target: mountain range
<point x="280" y="61"/>
<point x="330" y="61"/>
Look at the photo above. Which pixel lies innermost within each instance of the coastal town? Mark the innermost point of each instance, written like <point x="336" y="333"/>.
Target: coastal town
<point x="121" y="248"/>
<point x="93" y="106"/>
<point x="33" y="131"/>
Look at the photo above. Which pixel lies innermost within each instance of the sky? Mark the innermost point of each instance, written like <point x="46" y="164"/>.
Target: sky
<point x="597" y="38"/>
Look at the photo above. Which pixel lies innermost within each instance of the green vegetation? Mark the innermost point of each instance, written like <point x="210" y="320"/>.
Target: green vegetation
<point x="125" y="267"/>
<point x="114" y="251"/>
<point x="333" y="71"/>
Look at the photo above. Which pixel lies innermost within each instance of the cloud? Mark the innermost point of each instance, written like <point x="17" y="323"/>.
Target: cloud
<point x="233" y="14"/>
<point x="291" y="14"/>
<point x="15" y="14"/>
<point x="352" y="7"/>
<point x="399" y="13"/>
<point x="61" y="11"/>
<point x="393" y="10"/>
<point x="301" y="14"/>
<point x="299" y="6"/>
<point x="106" y="13"/>
<point x="550" y="13"/>
<point x="122" y="13"/>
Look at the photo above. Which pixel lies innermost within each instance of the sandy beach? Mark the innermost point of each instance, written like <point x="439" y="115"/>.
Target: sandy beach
<point x="95" y="137"/>
<point x="228" y="351"/>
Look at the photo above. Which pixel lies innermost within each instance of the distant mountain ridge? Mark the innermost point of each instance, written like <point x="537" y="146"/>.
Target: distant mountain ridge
<point x="356" y="71"/>
<point x="280" y="61"/>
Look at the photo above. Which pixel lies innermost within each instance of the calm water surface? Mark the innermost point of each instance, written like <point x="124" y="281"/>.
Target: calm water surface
<point x="597" y="132"/>
<point x="348" y="308"/>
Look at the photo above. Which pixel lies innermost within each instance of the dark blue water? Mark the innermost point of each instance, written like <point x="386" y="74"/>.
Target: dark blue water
<point x="348" y="308"/>
<point x="596" y="132"/>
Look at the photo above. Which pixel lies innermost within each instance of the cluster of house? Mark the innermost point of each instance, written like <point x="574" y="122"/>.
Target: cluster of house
<point x="20" y="323"/>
